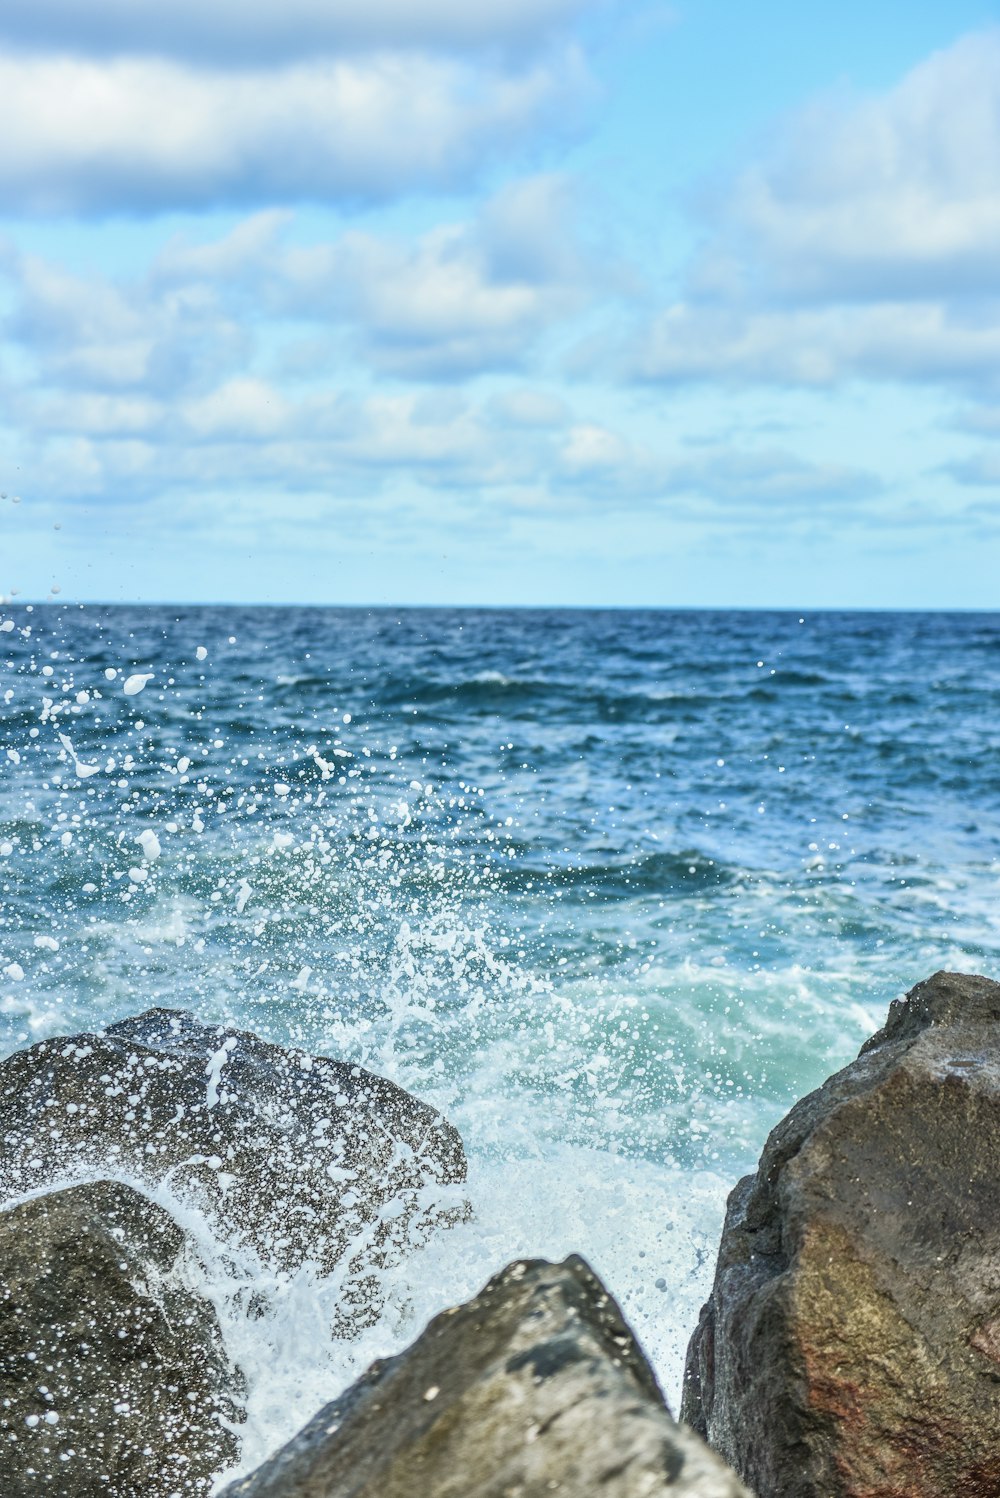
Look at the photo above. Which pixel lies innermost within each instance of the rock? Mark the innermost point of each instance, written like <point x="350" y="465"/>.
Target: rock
<point x="113" y="1378"/>
<point x="851" y="1346"/>
<point x="536" y="1386"/>
<point x="304" y="1157"/>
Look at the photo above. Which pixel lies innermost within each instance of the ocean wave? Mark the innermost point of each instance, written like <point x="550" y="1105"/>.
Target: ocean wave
<point x="618" y="878"/>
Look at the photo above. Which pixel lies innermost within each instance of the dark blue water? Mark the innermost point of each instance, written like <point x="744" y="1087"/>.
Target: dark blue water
<point x="612" y="888"/>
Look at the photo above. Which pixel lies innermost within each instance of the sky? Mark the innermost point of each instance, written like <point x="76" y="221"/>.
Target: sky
<point x="513" y="302"/>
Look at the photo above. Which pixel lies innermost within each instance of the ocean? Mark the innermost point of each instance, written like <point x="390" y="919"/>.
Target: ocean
<point x="612" y="889"/>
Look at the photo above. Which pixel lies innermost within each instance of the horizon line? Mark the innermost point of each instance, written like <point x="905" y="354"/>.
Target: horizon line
<point x="550" y="608"/>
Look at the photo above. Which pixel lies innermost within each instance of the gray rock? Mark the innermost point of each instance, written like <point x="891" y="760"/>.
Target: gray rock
<point x="113" y="1378"/>
<point x="535" y="1387"/>
<point x="304" y="1157"/>
<point x="851" y="1346"/>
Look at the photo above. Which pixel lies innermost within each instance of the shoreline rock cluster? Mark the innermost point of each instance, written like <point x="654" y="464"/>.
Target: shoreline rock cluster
<point x="850" y="1347"/>
<point x="851" y="1344"/>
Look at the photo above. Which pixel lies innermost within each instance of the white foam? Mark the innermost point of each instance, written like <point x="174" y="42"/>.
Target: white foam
<point x="149" y="843"/>
<point x="649" y="1233"/>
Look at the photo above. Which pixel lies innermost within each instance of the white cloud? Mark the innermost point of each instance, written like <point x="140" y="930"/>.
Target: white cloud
<point x="249" y="433"/>
<point x="173" y="382"/>
<point x="141" y="134"/>
<point x="864" y="245"/>
<point x="592" y="450"/>
<point x="243" y="409"/>
<point x="895" y="195"/>
<point x="460" y="299"/>
<point x="464" y="298"/>
<point x="749" y="482"/>
<point x="820" y="346"/>
<point x="97" y="415"/>
<point x="89" y="332"/>
<point x="240" y="31"/>
<point x="768" y="479"/>
<point x="525" y="407"/>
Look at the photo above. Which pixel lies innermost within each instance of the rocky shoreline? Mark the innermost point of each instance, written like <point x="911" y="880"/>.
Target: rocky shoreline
<point x="850" y="1347"/>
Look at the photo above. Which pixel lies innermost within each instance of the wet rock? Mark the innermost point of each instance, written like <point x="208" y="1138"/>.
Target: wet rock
<point x="536" y="1386"/>
<point x="113" y="1378"/>
<point x="303" y="1157"/>
<point x="851" y="1346"/>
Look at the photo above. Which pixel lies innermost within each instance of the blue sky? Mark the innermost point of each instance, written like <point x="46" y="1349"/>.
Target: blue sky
<point x="526" y="301"/>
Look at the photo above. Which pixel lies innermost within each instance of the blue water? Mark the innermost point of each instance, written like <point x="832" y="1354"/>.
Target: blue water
<point x="611" y="888"/>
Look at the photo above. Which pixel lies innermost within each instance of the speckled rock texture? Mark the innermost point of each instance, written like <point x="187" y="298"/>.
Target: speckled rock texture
<point x="304" y="1157"/>
<point x="851" y="1346"/>
<point x="536" y="1387"/>
<point x="113" y="1377"/>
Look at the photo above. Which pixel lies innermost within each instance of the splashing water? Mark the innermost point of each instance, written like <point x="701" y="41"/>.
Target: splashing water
<point x="610" y="890"/>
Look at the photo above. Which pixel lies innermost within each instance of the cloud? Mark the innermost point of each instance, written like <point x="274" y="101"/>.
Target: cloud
<point x="863" y="244"/>
<point x="765" y="480"/>
<point x="460" y="299"/>
<point x="893" y="196"/>
<point x="981" y="470"/>
<point x="983" y="421"/>
<point x="140" y="135"/>
<point x="91" y="334"/>
<point x="820" y="346"/>
<point x="135" y="389"/>
<point x="524" y="407"/>
<point x="464" y="298"/>
<point x="239" y="32"/>
<point x="265" y="363"/>
<point x="752" y="483"/>
<point x="250" y="434"/>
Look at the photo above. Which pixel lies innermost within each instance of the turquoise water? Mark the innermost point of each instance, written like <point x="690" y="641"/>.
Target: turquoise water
<point x="612" y="888"/>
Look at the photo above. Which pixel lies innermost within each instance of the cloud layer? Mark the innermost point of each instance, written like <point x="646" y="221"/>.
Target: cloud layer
<point x="234" y="33"/>
<point x="143" y="135"/>
<point x="866" y="245"/>
<point x="411" y="299"/>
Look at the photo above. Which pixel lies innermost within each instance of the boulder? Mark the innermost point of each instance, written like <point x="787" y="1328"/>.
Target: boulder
<point x="113" y="1378"/>
<point x="303" y="1157"/>
<point x="851" y="1345"/>
<point x="537" y="1386"/>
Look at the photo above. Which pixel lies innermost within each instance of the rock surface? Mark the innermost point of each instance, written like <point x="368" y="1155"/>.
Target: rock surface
<point x="851" y="1346"/>
<point x="535" y="1387"/>
<point x="113" y="1379"/>
<point x="307" y="1158"/>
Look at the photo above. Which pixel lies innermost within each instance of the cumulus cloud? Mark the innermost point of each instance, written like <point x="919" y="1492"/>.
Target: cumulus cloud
<point x="820" y="346"/>
<point x="147" y="134"/>
<point x="90" y="333"/>
<point x="864" y="245"/>
<point x="896" y="195"/>
<point x="724" y="479"/>
<point x="526" y="407"/>
<point x="232" y="32"/>
<point x="250" y="433"/>
<point x="147" y="386"/>
<point x="460" y="299"/>
<point x="464" y="298"/>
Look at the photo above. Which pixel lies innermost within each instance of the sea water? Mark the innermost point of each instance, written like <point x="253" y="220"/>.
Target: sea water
<point x="611" y="889"/>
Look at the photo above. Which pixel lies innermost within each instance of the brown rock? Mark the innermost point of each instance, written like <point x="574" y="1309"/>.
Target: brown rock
<point x="113" y="1377"/>
<point x="850" y="1348"/>
<point x="537" y="1387"/>
<point x="304" y="1157"/>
